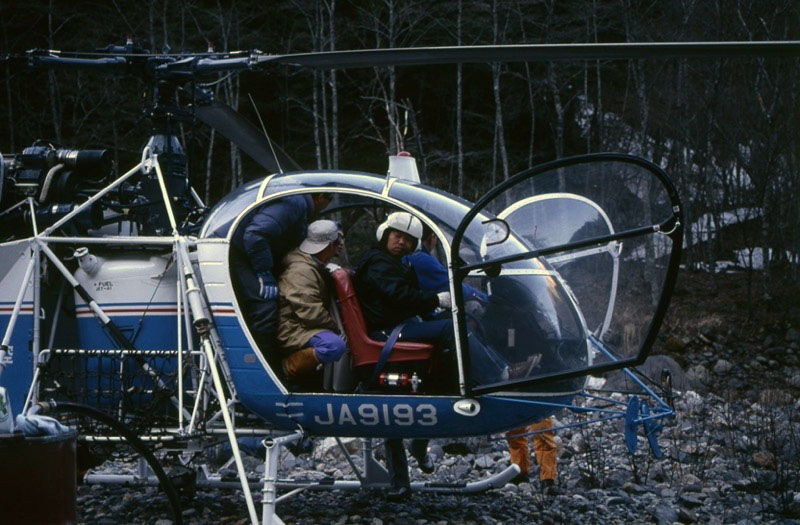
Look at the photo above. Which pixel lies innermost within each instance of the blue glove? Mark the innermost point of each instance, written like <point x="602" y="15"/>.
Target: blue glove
<point x="267" y="288"/>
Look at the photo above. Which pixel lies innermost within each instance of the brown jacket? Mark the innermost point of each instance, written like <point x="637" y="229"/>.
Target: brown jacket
<point x="305" y="286"/>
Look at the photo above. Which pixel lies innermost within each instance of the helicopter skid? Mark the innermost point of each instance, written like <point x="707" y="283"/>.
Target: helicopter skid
<point x="494" y="481"/>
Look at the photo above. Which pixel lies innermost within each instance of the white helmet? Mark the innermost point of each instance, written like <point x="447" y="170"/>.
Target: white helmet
<point x="401" y="221"/>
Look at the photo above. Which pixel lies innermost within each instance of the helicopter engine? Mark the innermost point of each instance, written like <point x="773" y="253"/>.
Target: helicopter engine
<point x="54" y="178"/>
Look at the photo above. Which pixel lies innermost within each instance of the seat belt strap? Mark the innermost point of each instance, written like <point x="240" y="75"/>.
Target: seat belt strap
<point x="385" y="351"/>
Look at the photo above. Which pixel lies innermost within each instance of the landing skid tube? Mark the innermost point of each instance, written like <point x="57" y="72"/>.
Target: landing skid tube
<point x="374" y="475"/>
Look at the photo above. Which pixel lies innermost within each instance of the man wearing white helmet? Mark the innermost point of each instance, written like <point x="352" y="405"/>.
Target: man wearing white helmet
<point x="389" y="293"/>
<point x="388" y="288"/>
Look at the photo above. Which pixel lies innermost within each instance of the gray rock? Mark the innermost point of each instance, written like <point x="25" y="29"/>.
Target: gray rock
<point x="690" y="480"/>
<point x="666" y="493"/>
<point x="792" y="335"/>
<point x="634" y="488"/>
<point x="436" y="451"/>
<point x="618" y="500"/>
<point x="484" y="461"/>
<point x="664" y="514"/>
<point x="686" y="516"/>
<point x="460" y="471"/>
<point x="690" y="500"/>
<point x="697" y="377"/>
<point x="723" y="367"/>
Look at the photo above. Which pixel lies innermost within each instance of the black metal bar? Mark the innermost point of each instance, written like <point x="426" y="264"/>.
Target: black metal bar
<point x="135" y="442"/>
<point x="605" y="239"/>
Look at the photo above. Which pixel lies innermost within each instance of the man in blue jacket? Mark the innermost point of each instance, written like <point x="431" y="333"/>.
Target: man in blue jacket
<point x="430" y="272"/>
<point x="257" y="248"/>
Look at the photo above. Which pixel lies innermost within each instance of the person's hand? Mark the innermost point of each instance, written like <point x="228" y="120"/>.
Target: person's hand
<point x="267" y="288"/>
<point x="444" y="299"/>
<point x="474" y="308"/>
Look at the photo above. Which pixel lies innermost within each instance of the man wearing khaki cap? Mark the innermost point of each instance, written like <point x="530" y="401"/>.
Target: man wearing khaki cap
<point x="307" y="334"/>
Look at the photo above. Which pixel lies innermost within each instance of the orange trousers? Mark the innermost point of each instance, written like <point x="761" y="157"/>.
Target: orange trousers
<point x="543" y="445"/>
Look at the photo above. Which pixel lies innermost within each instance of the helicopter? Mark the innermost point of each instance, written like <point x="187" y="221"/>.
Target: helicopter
<point x="117" y="294"/>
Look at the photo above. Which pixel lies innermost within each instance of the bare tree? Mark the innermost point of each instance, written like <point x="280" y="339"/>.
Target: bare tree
<point x="500" y="138"/>
<point x="459" y="106"/>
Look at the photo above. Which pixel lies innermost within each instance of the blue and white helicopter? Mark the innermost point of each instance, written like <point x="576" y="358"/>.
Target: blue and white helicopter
<point x="117" y="294"/>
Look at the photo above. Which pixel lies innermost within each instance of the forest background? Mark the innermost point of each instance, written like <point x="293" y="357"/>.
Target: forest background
<point x="725" y="130"/>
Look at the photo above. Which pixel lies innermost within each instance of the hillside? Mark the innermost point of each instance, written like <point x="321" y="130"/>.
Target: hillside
<point x="727" y="306"/>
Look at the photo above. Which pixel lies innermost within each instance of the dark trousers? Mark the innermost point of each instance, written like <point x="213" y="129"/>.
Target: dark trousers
<point x="261" y="315"/>
<point x="397" y="462"/>
<point x="486" y="366"/>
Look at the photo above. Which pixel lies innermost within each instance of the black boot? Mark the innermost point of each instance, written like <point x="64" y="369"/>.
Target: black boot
<point x="397" y="463"/>
<point x="419" y="449"/>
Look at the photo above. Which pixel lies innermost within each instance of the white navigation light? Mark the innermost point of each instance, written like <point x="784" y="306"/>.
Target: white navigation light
<point x="403" y="166"/>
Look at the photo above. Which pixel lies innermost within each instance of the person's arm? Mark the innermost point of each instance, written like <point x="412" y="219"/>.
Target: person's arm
<point x="396" y="293"/>
<point x="430" y="273"/>
<point x="471" y="294"/>
<point x="268" y="223"/>
<point x="433" y="276"/>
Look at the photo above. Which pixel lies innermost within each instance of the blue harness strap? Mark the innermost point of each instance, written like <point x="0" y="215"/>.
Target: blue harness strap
<point x="385" y="351"/>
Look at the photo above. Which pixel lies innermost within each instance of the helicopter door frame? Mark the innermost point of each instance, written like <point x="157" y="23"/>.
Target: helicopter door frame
<point x="383" y="197"/>
<point x="613" y="248"/>
<point x="672" y="227"/>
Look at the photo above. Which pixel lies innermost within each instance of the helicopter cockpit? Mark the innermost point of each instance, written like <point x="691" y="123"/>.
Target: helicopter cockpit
<point x="545" y="247"/>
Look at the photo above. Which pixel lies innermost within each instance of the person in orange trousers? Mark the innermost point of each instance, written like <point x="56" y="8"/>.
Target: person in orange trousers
<point x="544" y="447"/>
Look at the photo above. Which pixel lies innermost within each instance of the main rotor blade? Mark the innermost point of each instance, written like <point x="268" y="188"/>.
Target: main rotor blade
<point x="247" y="137"/>
<point x="532" y="52"/>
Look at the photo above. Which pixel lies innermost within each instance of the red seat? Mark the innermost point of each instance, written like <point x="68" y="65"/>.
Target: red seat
<point x="365" y="351"/>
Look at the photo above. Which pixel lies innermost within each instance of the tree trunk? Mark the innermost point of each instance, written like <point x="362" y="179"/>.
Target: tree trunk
<point x="598" y="106"/>
<point x="559" y="124"/>
<point x="315" y="118"/>
<point x="151" y="26"/>
<point x="52" y="83"/>
<point x="459" y="109"/>
<point x="320" y="46"/>
<point x="498" y="105"/>
<point x="334" y="94"/>
<point x="531" y="101"/>
<point x="395" y="139"/>
<point x="10" y="108"/>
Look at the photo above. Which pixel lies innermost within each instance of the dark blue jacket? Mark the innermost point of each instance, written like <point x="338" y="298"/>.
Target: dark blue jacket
<point x="388" y="291"/>
<point x="273" y="231"/>
<point x="433" y="276"/>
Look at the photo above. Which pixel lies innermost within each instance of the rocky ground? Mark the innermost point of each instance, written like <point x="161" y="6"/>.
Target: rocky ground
<point x="731" y="455"/>
<point x="724" y="462"/>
